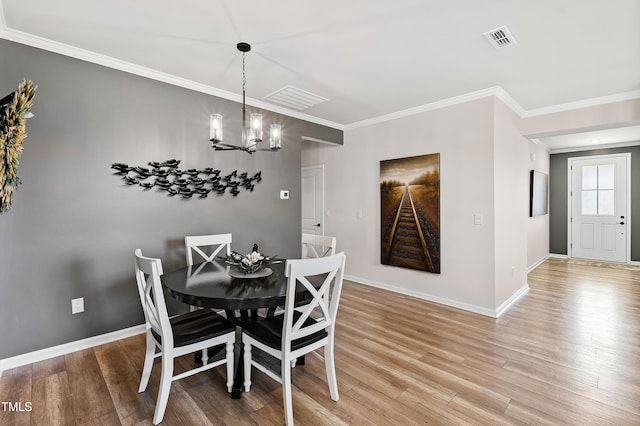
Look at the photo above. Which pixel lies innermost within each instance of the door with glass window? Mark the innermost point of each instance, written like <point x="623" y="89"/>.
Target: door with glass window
<point x="598" y="216"/>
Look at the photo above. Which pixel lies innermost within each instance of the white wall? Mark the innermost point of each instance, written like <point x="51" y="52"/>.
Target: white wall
<point x="464" y="136"/>
<point x="538" y="226"/>
<point x="511" y="190"/>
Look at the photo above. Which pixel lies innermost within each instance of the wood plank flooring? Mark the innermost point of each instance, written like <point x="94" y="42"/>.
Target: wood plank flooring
<point x="567" y="353"/>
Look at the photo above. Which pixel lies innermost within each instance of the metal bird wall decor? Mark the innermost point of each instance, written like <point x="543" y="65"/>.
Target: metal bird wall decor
<point x="166" y="176"/>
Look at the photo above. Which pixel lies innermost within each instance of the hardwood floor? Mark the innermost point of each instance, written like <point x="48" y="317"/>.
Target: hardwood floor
<point x="567" y="353"/>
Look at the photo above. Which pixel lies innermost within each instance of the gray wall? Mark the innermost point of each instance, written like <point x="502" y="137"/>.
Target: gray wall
<point x="74" y="225"/>
<point x="558" y="198"/>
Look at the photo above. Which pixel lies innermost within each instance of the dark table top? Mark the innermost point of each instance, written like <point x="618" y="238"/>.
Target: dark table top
<point x="209" y="285"/>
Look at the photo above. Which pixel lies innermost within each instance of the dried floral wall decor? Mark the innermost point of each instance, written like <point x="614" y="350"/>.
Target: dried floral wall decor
<point x="166" y="176"/>
<point x="12" y="134"/>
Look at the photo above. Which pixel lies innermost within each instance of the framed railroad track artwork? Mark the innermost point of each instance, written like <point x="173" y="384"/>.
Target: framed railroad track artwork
<point x="410" y="212"/>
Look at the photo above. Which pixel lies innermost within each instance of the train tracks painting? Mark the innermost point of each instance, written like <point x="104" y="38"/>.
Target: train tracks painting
<point x="410" y="212"/>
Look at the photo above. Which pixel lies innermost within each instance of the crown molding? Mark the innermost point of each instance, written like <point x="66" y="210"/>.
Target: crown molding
<point x="496" y="91"/>
<point x="594" y="147"/>
<point x="586" y="103"/>
<point x="480" y="94"/>
<point x="541" y="144"/>
<point x="107" y="61"/>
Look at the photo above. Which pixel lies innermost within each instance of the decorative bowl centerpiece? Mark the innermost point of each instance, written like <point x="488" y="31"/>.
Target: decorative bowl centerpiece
<point x="252" y="265"/>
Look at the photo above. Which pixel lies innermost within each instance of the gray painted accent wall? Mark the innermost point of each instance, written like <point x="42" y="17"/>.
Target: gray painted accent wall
<point x="558" y="197"/>
<point x="74" y="226"/>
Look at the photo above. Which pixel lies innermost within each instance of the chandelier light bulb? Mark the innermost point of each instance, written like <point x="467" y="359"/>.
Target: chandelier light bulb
<point x="275" y="136"/>
<point x="215" y="127"/>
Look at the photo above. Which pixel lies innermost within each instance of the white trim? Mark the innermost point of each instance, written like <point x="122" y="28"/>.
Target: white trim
<point x="558" y="256"/>
<point x="107" y="61"/>
<point x="480" y="94"/>
<point x="310" y="139"/>
<point x="509" y="101"/>
<point x="497" y="91"/>
<point x="586" y="103"/>
<point x="627" y="156"/>
<point x="448" y="302"/>
<point x="3" y="28"/>
<point x="538" y="263"/>
<point x="634" y="263"/>
<point x="594" y="147"/>
<point x="513" y="299"/>
<point x="78" y="345"/>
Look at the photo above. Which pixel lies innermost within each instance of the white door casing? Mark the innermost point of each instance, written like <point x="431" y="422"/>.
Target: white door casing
<point x="313" y="200"/>
<point x="599" y="208"/>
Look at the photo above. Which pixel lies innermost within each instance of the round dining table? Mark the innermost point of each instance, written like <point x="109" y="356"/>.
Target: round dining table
<point x="210" y="285"/>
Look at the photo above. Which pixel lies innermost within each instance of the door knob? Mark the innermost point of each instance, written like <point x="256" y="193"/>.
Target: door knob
<point x="621" y="223"/>
<point x="318" y="225"/>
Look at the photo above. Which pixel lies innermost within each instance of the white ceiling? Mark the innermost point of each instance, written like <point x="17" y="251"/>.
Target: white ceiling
<point x="370" y="58"/>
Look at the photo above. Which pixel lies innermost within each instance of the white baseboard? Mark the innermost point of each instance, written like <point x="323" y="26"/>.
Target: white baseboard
<point x="513" y="299"/>
<point x="448" y="302"/>
<point x="47" y="353"/>
<point x="538" y="263"/>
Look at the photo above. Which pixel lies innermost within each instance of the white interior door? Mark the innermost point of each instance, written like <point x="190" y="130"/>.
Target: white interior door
<point x="599" y="217"/>
<point x="313" y="200"/>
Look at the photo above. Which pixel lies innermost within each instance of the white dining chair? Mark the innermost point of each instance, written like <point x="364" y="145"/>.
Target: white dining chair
<point x="294" y="334"/>
<point x="215" y="243"/>
<point x="317" y="246"/>
<point x="178" y="335"/>
<point x="206" y="247"/>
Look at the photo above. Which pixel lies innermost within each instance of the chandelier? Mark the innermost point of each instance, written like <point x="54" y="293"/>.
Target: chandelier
<point x="251" y="131"/>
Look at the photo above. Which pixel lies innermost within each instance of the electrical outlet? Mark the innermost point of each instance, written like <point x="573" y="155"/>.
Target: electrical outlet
<point x="77" y="305"/>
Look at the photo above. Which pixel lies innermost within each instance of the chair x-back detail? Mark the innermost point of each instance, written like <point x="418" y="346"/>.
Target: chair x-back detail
<point x="195" y="243"/>
<point x="178" y="335"/>
<point x="314" y="246"/>
<point x="295" y="333"/>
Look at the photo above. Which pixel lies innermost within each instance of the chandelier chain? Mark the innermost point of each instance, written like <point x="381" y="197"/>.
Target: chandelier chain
<point x="244" y="76"/>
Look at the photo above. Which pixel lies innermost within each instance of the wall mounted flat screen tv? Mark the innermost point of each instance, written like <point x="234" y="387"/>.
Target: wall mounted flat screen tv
<point x="539" y="194"/>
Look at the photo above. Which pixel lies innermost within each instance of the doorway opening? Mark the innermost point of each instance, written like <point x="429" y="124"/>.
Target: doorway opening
<point x="599" y="208"/>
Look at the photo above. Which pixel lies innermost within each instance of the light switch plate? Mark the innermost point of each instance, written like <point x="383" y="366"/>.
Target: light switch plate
<point x="77" y="305"/>
<point x="284" y="194"/>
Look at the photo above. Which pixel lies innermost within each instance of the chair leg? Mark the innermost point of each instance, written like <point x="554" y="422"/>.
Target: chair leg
<point x="165" y="387"/>
<point x="285" y="365"/>
<point x="330" y="366"/>
<point x="148" y="363"/>
<point x="230" y="361"/>
<point x="247" y="366"/>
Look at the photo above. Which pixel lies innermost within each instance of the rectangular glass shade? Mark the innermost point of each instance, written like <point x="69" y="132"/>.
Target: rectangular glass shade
<point x="275" y="136"/>
<point x="215" y="127"/>
<point x="255" y="128"/>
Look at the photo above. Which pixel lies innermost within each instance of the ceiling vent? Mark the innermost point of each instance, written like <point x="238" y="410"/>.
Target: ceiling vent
<point x="500" y="37"/>
<point x="294" y="98"/>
